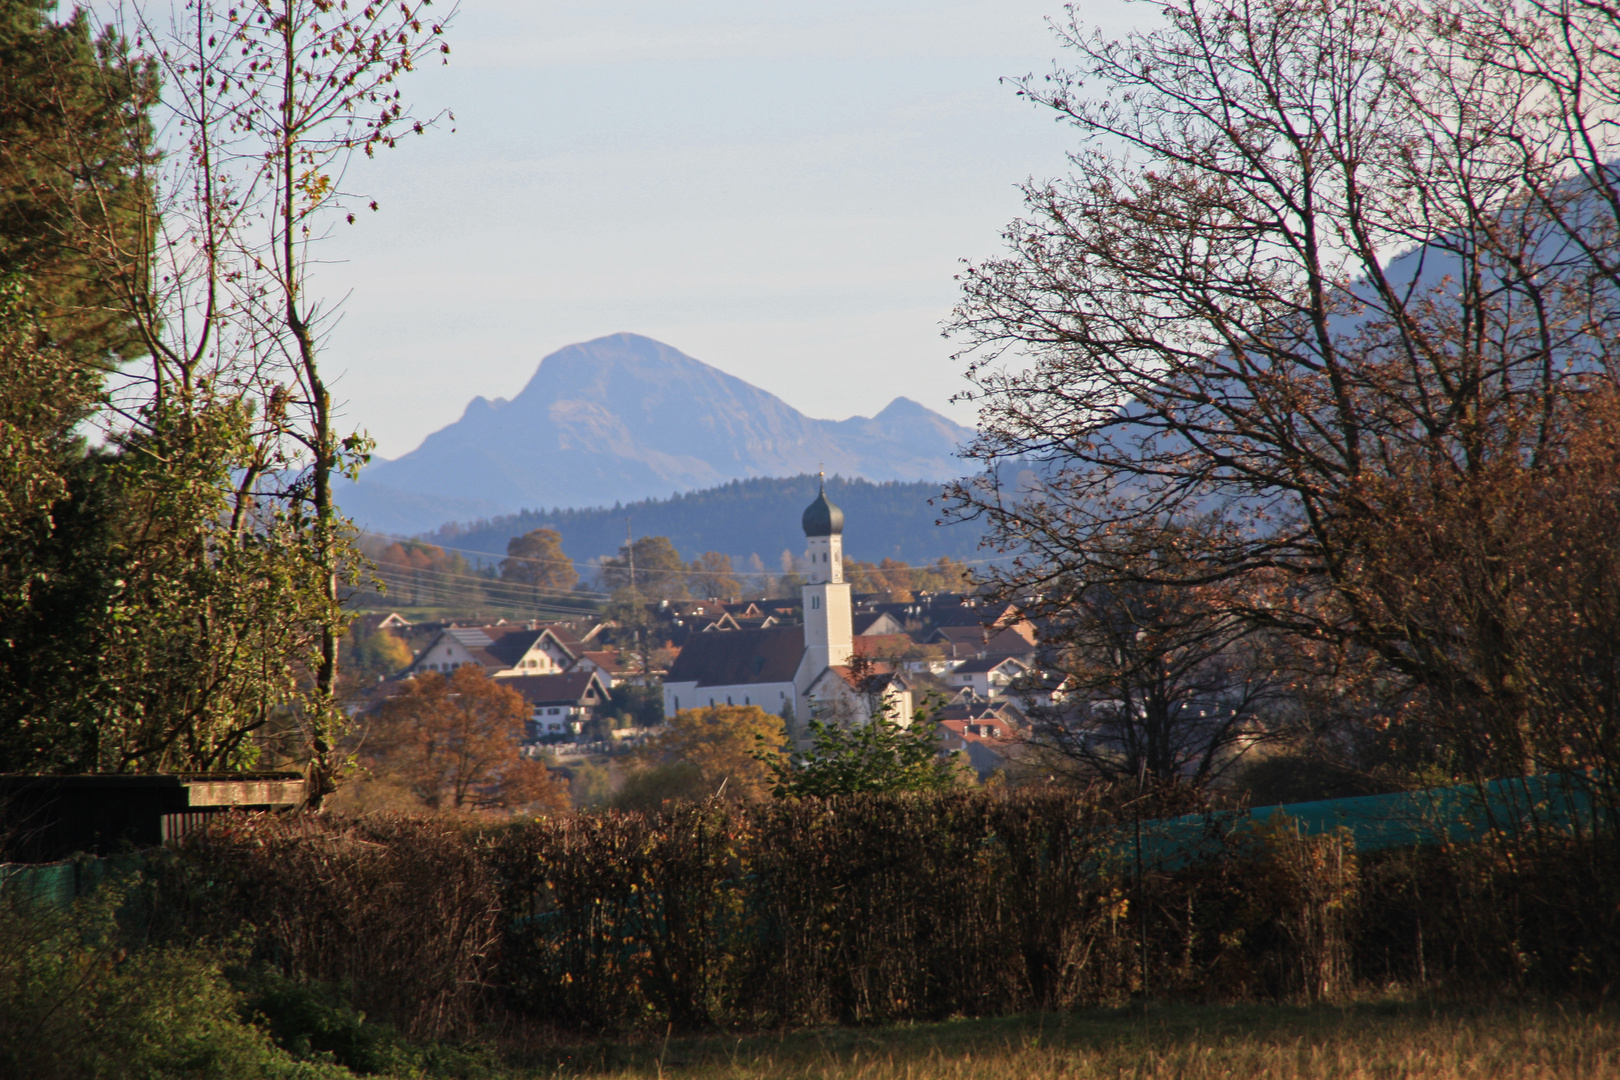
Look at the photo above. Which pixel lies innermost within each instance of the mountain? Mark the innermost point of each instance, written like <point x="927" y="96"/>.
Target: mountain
<point x="896" y="519"/>
<point x="623" y="418"/>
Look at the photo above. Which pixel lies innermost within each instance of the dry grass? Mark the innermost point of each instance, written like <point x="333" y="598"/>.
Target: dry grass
<point x="1383" y="1040"/>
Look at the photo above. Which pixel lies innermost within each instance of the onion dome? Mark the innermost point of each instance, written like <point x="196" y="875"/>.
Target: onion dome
<point x="822" y="518"/>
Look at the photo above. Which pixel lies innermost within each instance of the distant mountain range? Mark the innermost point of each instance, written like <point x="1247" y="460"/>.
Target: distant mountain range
<point x="745" y="518"/>
<point x="625" y="418"/>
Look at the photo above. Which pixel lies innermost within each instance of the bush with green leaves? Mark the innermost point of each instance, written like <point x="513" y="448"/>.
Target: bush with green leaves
<point x="880" y="755"/>
<point x="80" y="1001"/>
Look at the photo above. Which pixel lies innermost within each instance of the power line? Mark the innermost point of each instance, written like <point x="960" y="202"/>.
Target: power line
<point x="683" y="571"/>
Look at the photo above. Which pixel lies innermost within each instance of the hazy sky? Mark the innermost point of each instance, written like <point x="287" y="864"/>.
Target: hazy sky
<point x="782" y="190"/>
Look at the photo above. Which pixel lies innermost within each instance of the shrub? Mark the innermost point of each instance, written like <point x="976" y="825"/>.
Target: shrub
<point x="401" y="912"/>
<point x="79" y="1003"/>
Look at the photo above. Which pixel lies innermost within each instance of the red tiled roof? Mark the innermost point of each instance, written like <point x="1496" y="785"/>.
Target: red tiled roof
<point x="881" y="644"/>
<point x="606" y="659"/>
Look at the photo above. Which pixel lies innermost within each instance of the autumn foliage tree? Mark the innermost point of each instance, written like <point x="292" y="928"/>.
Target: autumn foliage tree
<point x="711" y="575"/>
<point x="536" y="560"/>
<point x="723" y="747"/>
<point x="649" y="567"/>
<point x="454" y="742"/>
<point x="899" y="582"/>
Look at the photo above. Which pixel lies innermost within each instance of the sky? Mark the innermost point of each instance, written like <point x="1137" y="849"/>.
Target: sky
<point x="782" y="190"/>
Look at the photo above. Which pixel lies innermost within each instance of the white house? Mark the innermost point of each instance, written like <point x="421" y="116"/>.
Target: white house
<point x="988" y="677"/>
<point x="502" y="651"/>
<point x="560" y="704"/>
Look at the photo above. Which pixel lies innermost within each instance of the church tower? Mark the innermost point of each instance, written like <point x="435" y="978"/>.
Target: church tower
<point x="828" y="624"/>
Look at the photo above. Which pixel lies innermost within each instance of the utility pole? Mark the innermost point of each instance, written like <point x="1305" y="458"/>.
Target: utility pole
<point x="635" y="599"/>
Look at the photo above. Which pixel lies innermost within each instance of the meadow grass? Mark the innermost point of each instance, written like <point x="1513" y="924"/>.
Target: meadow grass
<point x="1383" y="1040"/>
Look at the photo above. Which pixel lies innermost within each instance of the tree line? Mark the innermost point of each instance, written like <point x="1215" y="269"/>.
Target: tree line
<point x="537" y="578"/>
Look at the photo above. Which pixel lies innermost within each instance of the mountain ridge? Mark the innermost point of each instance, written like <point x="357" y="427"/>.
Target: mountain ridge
<point x="624" y="417"/>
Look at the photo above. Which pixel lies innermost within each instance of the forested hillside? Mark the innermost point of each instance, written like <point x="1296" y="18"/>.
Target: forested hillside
<point x="744" y="518"/>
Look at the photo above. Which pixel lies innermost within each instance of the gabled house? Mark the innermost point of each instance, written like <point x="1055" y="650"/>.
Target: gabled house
<point x="977" y="642"/>
<point x="502" y="651"/>
<point x="851" y="694"/>
<point x="876" y="624"/>
<point x="988" y="677"/>
<point x="987" y="740"/>
<point x="736" y="667"/>
<point x="561" y="704"/>
<point x="604" y="662"/>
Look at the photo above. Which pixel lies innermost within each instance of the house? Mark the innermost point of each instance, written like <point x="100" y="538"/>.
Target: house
<point x="876" y="624"/>
<point x="371" y="623"/>
<point x="976" y="642"/>
<point x="851" y="694"/>
<point x="782" y="669"/>
<point x="988" y="677"/>
<point x="605" y="662"/>
<point x="561" y="704"/>
<point x="502" y="651"/>
<point x="737" y="667"/>
<point x="986" y="740"/>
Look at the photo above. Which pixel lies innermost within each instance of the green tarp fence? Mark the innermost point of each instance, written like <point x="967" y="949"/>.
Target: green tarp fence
<point x="60" y="883"/>
<point x="1457" y="814"/>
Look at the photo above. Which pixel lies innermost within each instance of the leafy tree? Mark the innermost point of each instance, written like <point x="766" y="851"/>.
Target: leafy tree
<point x="74" y="207"/>
<point x="730" y="746"/>
<point x="369" y="656"/>
<point x="182" y="598"/>
<point x="640" y="704"/>
<point x="881" y="755"/>
<point x="43" y="396"/>
<point x="412" y="572"/>
<point x="655" y="786"/>
<point x="151" y="634"/>
<point x="454" y="743"/>
<point x="536" y="560"/>
<point x="649" y="568"/>
<point x="712" y="576"/>
<point x="943" y="575"/>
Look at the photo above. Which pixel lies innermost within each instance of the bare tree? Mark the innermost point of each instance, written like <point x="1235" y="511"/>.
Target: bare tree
<point x="1155" y="681"/>
<point x="1319" y="269"/>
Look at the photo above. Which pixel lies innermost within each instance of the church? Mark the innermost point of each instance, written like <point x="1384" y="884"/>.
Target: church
<point x="795" y="671"/>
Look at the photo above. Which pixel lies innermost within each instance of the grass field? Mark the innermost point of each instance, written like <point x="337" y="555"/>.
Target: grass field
<point x="1386" y="1041"/>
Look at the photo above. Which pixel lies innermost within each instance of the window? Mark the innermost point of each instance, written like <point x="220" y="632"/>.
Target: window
<point x="746" y="701"/>
<point x="815" y="602"/>
<point x="677" y="703"/>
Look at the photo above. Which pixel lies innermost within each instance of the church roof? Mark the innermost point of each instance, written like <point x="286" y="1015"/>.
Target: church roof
<point x="822" y="518"/>
<point x="739" y="657"/>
